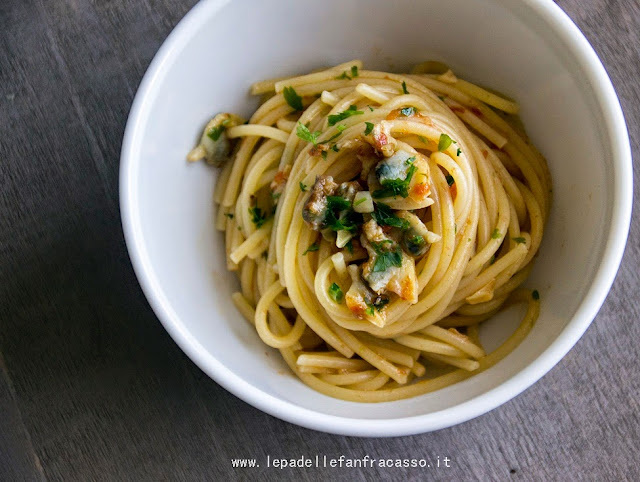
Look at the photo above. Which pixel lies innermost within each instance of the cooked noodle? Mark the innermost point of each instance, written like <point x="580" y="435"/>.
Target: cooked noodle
<point x="374" y="220"/>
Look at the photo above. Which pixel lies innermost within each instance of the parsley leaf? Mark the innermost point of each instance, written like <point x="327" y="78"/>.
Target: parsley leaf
<point x="369" y="128"/>
<point x="404" y="87"/>
<point x="519" y="240"/>
<point x="384" y="216"/>
<point x="385" y="260"/>
<point x="395" y="187"/>
<point x="305" y="134"/>
<point x="370" y="108"/>
<point x="369" y="310"/>
<point x="335" y="293"/>
<point x="495" y="234"/>
<point x="292" y="98"/>
<point x="444" y="142"/>
<point x="459" y="152"/>
<point x="535" y="295"/>
<point x="349" y="247"/>
<point x="257" y="216"/>
<point x="340" y="216"/>
<point x="340" y="128"/>
<point x="354" y="71"/>
<point x="343" y="76"/>
<point x="450" y="179"/>
<point x="335" y="118"/>
<point x="215" y="132"/>
<point x="380" y="302"/>
<point x="313" y="247"/>
<point x="303" y="187"/>
<point x="324" y="155"/>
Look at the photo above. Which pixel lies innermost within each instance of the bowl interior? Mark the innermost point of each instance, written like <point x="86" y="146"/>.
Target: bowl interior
<point x="208" y="65"/>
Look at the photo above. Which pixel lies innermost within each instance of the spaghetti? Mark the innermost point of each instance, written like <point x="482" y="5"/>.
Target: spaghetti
<point x="375" y="220"/>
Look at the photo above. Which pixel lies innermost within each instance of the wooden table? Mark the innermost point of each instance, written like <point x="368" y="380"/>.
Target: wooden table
<point x="93" y="388"/>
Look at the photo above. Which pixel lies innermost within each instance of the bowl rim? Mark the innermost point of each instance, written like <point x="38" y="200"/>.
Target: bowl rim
<point x="622" y="194"/>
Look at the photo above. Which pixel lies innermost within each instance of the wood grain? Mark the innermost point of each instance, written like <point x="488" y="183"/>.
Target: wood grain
<point x="96" y="389"/>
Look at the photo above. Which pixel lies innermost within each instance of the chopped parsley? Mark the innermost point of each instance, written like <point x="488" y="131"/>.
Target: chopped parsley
<point x="535" y="295"/>
<point x="423" y="139"/>
<point x="335" y="118"/>
<point x="292" y="98"/>
<point x="340" y="216"/>
<point x="408" y="111"/>
<point x="344" y="75"/>
<point x="340" y="128"/>
<point x="215" y="132"/>
<point x="458" y="152"/>
<point x="229" y="215"/>
<point x="370" y="108"/>
<point x="257" y="216"/>
<point x="396" y="187"/>
<point x="370" y="309"/>
<point x="404" y="87"/>
<point x="444" y="142"/>
<point x="360" y="201"/>
<point x="450" y="179"/>
<point x="387" y="259"/>
<point x="334" y="148"/>
<point x="495" y="234"/>
<point x="349" y="247"/>
<point x="305" y="134"/>
<point x="313" y="247"/>
<point x="324" y="155"/>
<point x="369" y="128"/>
<point x="354" y="71"/>
<point x="384" y="216"/>
<point x="336" y="293"/>
<point x="303" y="187"/>
<point x="519" y="240"/>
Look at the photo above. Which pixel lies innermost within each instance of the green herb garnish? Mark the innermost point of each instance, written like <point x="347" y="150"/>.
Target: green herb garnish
<point x="387" y="259"/>
<point x="395" y="187"/>
<point x="354" y="71"/>
<point x="349" y="247"/>
<point x="292" y="98"/>
<point x="343" y="76"/>
<point x="535" y="295"/>
<point x="215" y="133"/>
<point x="335" y="118"/>
<point x="384" y="216"/>
<point x="368" y="129"/>
<point x="370" y="108"/>
<point x="229" y="215"/>
<point x="459" y="151"/>
<point x="257" y="216"/>
<point x="404" y="87"/>
<point x="335" y="293"/>
<point x="305" y="134"/>
<point x="444" y="142"/>
<point x="519" y="240"/>
<point x="495" y="234"/>
<point x="340" y="128"/>
<point x="450" y="180"/>
<point x="303" y="187"/>
<point x="324" y="155"/>
<point x="313" y="247"/>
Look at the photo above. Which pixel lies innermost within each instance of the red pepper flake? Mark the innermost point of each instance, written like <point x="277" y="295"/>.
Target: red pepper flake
<point x="458" y="109"/>
<point x="476" y="111"/>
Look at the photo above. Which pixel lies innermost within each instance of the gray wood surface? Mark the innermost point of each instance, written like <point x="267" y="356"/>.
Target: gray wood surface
<point x="93" y="388"/>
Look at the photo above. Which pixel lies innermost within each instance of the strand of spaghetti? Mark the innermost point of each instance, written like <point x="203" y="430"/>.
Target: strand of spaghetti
<point x="251" y="243"/>
<point x="256" y="130"/>
<point x="464" y="363"/>
<point x="262" y="327"/>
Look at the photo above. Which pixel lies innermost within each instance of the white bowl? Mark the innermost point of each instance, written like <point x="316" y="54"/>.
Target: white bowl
<point x="528" y="49"/>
